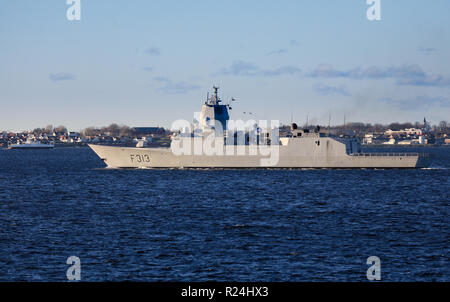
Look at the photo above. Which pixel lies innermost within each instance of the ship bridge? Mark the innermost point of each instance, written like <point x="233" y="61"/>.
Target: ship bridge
<point x="214" y="112"/>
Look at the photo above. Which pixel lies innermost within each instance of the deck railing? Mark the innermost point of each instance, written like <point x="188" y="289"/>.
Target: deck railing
<point x="389" y="154"/>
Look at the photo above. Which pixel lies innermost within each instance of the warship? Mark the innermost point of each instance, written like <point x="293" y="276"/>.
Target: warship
<point x="212" y="143"/>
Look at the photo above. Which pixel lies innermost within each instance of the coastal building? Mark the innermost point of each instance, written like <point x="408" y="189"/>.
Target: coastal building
<point x="419" y="141"/>
<point x="391" y="141"/>
<point x="368" y="139"/>
<point x="405" y="132"/>
<point x="149" y="131"/>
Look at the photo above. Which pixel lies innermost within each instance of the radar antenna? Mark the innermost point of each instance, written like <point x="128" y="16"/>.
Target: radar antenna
<point x="216" y="94"/>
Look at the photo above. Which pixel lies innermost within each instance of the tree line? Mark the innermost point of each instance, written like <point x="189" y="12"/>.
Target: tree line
<point x="111" y="130"/>
<point x="368" y="127"/>
<point x="124" y="130"/>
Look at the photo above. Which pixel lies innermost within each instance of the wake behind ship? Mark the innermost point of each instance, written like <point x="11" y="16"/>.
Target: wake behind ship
<point x="259" y="148"/>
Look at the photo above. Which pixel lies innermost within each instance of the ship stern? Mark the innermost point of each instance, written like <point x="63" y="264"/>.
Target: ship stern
<point x="423" y="160"/>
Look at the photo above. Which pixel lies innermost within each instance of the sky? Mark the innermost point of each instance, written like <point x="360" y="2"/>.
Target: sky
<point x="151" y="62"/>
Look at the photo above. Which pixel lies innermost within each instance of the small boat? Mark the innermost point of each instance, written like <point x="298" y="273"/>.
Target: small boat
<point x="32" y="144"/>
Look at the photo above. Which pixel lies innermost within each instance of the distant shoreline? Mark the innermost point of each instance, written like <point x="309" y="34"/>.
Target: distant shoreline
<point x="404" y="146"/>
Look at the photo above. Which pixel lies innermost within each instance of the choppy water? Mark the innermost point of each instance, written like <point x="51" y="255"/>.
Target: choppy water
<point x="224" y="225"/>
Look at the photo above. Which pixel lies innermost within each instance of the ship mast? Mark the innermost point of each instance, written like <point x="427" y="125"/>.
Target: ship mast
<point x="216" y="95"/>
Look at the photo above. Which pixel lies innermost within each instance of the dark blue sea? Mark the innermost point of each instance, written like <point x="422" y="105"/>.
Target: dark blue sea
<point x="222" y="225"/>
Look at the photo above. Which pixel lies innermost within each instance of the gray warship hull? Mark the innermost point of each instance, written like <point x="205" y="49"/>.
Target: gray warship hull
<point x="288" y="157"/>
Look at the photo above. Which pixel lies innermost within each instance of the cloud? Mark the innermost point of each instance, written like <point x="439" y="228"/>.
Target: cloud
<point x="411" y="74"/>
<point x="433" y="81"/>
<point x="327" y="71"/>
<point x="61" y="76"/>
<point x="285" y="70"/>
<point x="419" y="102"/>
<point x="148" y="68"/>
<point x="241" y="68"/>
<point x="277" y="52"/>
<point x="402" y="71"/>
<point x="153" y="51"/>
<point x="170" y="87"/>
<point x="324" y="89"/>
<point x="161" y="79"/>
<point x="426" y="50"/>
